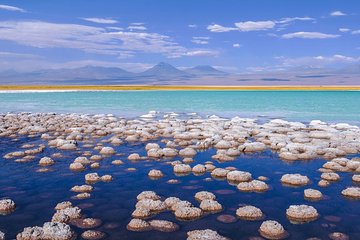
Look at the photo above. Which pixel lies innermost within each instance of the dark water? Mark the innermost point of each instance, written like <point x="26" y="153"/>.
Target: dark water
<point x="36" y="194"/>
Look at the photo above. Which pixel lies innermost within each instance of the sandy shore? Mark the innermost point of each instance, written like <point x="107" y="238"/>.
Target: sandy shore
<point x="164" y="88"/>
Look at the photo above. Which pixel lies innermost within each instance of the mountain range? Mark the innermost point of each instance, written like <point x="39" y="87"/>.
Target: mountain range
<point x="106" y="75"/>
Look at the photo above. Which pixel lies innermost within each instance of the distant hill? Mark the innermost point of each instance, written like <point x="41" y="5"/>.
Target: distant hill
<point x="163" y="69"/>
<point x="204" y="70"/>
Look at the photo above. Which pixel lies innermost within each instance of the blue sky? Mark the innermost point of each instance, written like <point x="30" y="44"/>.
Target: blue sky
<point x="232" y="35"/>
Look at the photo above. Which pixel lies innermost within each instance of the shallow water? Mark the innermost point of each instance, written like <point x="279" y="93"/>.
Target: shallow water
<point x="36" y="194"/>
<point x="330" y="106"/>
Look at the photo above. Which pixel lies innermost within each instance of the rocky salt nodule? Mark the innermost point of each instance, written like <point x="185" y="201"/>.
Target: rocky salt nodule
<point x="199" y="169"/>
<point x="152" y="205"/>
<point x="356" y="178"/>
<point x="147" y="195"/>
<point x="6" y="206"/>
<point x="138" y="225"/>
<point x="93" y="235"/>
<point x="134" y="157"/>
<point x="66" y="215"/>
<point x="351" y="192"/>
<point x="295" y="179"/>
<point x="92" y="178"/>
<point x="210" y="205"/>
<point x="204" y="195"/>
<point x="182" y="168"/>
<point x="107" y="151"/>
<point x="82" y="188"/>
<point x="188" y="213"/>
<point x="163" y="226"/>
<point x="338" y="236"/>
<point x="206" y="234"/>
<point x="76" y="166"/>
<point x="219" y="173"/>
<point x="238" y="176"/>
<point x="312" y="194"/>
<point x="141" y="213"/>
<point x="50" y="230"/>
<point x="249" y="213"/>
<point x="272" y="230"/>
<point x="155" y="174"/>
<point x="253" y="186"/>
<point x="301" y="213"/>
<point x="330" y="176"/>
<point x="46" y="161"/>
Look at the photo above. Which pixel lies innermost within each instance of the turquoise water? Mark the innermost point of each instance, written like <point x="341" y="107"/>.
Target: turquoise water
<point x="332" y="106"/>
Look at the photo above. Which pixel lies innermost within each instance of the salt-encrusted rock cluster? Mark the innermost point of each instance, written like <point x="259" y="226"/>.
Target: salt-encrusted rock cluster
<point x="184" y="139"/>
<point x="149" y="204"/>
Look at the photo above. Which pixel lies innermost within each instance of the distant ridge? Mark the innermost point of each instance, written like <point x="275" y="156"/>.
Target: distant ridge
<point x="205" y="70"/>
<point x="105" y="75"/>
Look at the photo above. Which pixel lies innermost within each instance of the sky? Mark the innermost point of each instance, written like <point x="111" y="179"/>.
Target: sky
<point x="237" y="36"/>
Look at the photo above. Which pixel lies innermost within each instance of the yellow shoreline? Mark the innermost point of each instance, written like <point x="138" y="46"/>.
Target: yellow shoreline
<point x="184" y="88"/>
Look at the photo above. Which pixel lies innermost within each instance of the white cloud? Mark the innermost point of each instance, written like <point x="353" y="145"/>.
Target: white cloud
<point x="137" y="28"/>
<point x="248" y="26"/>
<point x="100" y="20"/>
<point x="13" y="55"/>
<point x="219" y="28"/>
<point x="88" y="39"/>
<point x="309" y="35"/>
<point x="121" y="44"/>
<point x="201" y="53"/>
<point x="243" y="26"/>
<point x="11" y="8"/>
<point x="236" y="45"/>
<point x="344" y="29"/>
<point x="356" y="32"/>
<point x="337" y="14"/>
<point x="137" y="23"/>
<point x="192" y="26"/>
<point x="291" y="19"/>
<point x="200" y="40"/>
<point x="254" y="26"/>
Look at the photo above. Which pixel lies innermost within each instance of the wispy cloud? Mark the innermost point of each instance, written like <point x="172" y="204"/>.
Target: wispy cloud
<point x="218" y="28"/>
<point x="119" y="43"/>
<point x="201" y="53"/>
<point x="309" y="35"/>
<point x="243" y="26"/>
<point x="344" y="29"/>
<point x="137" y="28"/>
<point x="356" y="32"/>
<point x="11" y="8"/>
<point x="192" y="26"/>
<point x="254" y="26"/>
<point x="101" y="20"/>
<point x="248" y="26"/>
<point x="14" y="55"/>
<point x="200" y="40"/>
<point x="292" y="19"/>
<point x="337" y="14"/>
<point x="236" y="45"/>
